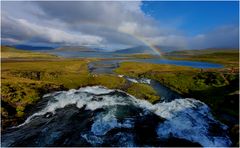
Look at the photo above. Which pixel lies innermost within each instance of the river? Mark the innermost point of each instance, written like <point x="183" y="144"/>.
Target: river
<point x="98" y="116"/>
<point x="123" y="58"/>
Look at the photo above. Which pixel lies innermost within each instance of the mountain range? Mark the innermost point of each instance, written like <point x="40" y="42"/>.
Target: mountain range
<point x="29" y="47"/>
<point x="131" y="50"/>
<point x="76" y="48"/>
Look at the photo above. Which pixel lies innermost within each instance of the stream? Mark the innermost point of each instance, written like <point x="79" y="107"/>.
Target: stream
<point x="98" y="116"/>
<point x="107" y="67"/>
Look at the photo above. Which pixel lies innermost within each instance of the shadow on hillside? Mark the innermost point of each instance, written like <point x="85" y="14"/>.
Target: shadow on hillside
<point x="224" y="105"/>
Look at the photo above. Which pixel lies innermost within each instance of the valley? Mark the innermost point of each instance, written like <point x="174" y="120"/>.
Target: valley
<point x="25" y="81"/>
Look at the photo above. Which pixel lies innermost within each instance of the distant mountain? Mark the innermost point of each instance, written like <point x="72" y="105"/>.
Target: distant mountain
<point x="135" y="50"/>
<point x="29" y="47"/>
<point x="77" y="48"/>
<point x="145" y="49"/>
<point x="201" y="51"/>
<point x="165" y="49"/>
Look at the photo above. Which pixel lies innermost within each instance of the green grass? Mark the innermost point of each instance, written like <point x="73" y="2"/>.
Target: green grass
<point x="9" y="52"/>
<point x="137" y="69"/>
<point x="178" y="78"/>
<point x="21" y="94"/>
<point x="227" y="57"/>
<point x="143" y="91"/>
<point x="215" y="87"/>
<point x="24" y="82"/>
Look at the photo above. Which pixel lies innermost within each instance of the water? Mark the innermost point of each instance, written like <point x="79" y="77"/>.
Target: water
<point x="166" y="93"/>
<point x="97" y="116"/>
<point x="81" y="54"/>
<point x="193" y="64"/>
<point x="107" y="66"/>
<point x="103" y="67"/>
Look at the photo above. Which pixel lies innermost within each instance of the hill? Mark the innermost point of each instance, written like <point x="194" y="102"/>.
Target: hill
<point x="228" y="57"/>
<point x="135" y="50"/>
<point x="201" y="51"/>
<point x="29" y="47"/>
<point x="8" y="52"/>
<point x="146" y="50"/>
<point x="76" y="48"/>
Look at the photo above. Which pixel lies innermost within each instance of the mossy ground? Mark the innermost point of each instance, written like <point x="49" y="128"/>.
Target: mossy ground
<point x="143" y="91"/>
<point x="9" y="52"/>
<point x="227" y="57"/>
<point x="212" y="86"/>
<point x="219" y="88"/>
<point x="24" y="82"/>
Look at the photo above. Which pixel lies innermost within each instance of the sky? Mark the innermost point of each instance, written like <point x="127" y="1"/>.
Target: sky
<point x="117" y="25"/>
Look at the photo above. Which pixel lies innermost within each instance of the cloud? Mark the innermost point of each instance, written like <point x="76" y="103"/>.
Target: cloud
<point x="10" y="41"/>
<point x="105" y="19"/>
<point x="84" y="22"/>
<point x="86" y="12"/>
<point x="221" y="37"/>
<point x="105" y="24"/>
<point x="22" y="30"/>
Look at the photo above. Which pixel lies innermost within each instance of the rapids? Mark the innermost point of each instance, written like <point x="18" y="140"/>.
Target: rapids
<point x="97" y="116"/>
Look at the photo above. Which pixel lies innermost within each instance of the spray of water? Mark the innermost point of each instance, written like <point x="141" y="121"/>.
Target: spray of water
<point x="186" y="118"/>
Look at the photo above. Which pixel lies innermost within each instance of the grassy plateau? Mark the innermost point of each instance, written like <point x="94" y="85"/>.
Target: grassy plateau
<point x="26" y="76"/>
<point x="227" y="57"/>
<point x="24" y="82"/>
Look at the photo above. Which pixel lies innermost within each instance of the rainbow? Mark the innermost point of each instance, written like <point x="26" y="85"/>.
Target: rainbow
<point x="143" y="40"/>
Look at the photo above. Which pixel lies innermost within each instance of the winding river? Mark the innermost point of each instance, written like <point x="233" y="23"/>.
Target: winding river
<point x="107" y="67"/>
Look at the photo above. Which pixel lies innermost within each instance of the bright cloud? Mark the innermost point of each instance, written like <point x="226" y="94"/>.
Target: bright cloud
<point x="104" y="24"/>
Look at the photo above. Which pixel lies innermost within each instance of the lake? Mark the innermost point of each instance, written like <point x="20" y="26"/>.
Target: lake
<point x="76" y="54"/>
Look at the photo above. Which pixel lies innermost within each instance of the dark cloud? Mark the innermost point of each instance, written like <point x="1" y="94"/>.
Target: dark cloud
<point x="104" y="13"/>
<point x="103" y="24"/>
<point x="23" y="30"/>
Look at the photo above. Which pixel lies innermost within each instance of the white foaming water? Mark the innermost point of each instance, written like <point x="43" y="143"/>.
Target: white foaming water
<point x="120" y="76"/>
<point x="91" y="138"/>
<point x="132" y="80"/>
<point x="144" y="80"/>
<point x="95" y="90"/>
<point x="187" y="118"/>
<point x="141" y="80"/>
<point x="80" y="97"/>
<point x="105" y="122"/>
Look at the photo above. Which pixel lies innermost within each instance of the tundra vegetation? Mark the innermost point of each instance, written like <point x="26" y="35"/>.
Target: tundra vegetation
<point x="227" y="57"/>
<point x="11" y="53"/>
<point x="213" y="86"/>
<point x="24" y="82"/>
<point x="218" y="88"/>
<point x="26" y="76"/>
